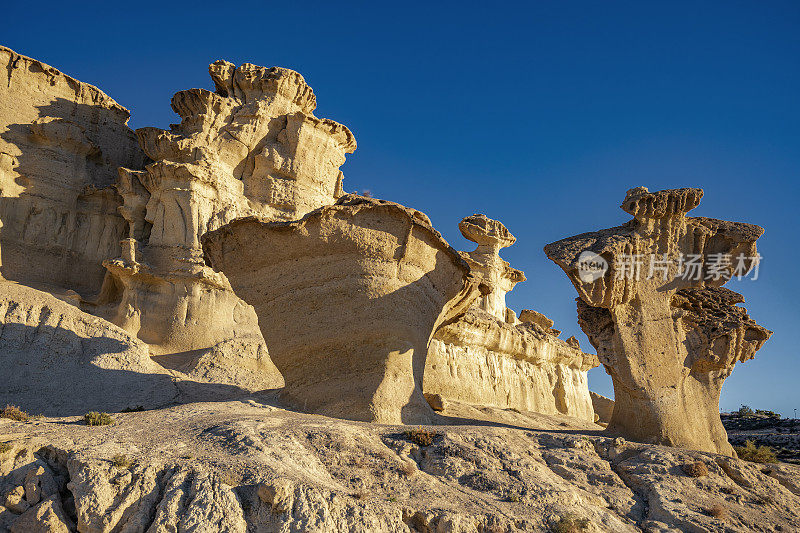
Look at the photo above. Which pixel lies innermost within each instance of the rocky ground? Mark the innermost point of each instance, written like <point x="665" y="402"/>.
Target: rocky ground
<point x="780" y="434"/>
<point x="249" y="465"/>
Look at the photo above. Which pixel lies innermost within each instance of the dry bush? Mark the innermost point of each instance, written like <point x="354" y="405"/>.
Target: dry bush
<point x="717" y="511"/>
<point x="121" y="461"/>
<point x="571" y="523"/>
<point x="93" y="418"/>
<point x="755" y="454"/>
<point x="14" y="413"/>
<point x="5" y="447"/>
<point x="420" y="436"/>
<point x="408" y="469"/>
<point x="695" y="469"/>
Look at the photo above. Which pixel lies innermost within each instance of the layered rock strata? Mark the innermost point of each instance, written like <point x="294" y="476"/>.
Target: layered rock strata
<point x="58" y="360"/>
<point x="61" y="142"/>
<point x="347" y="299"/>
<point x="488" y="357"/>
<point x="252" y="147"/>
<point x="668" y="336"/>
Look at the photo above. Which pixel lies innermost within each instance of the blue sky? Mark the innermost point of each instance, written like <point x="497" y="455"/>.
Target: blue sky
<point x="539" y="114"/>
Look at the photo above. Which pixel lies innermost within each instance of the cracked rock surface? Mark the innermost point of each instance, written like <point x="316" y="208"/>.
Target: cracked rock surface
<point x="250" y="466"/>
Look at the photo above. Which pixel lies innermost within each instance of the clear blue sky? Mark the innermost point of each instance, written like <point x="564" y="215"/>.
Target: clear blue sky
<point x="539" y="114"/>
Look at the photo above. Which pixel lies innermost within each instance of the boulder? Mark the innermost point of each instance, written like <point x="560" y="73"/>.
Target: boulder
<point x="46" y="517"/>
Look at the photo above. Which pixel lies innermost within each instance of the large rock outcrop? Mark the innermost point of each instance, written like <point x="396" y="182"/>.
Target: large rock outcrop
<point x="61" y="142"/>
<point x="57" y="360"/>
<point x="347" y="299"/>
<point x="667" y="334"/>
<point x="252" y="147"/>
<point x="488" y="357"/>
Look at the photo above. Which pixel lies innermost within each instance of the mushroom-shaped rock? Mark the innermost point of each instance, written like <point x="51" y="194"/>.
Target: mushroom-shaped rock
<point x="488" y="357"/>
<point x="497" y="277"/>
<point x="651" y="305"/>
<point x="486" y="232"/>
<point x="347" y="299"/>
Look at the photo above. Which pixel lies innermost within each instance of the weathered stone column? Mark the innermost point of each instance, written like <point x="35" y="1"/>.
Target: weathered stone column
<point x="488" y="357"/>
<point x="663" y="327"/>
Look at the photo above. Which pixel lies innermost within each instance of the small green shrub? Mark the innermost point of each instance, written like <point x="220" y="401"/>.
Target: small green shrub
<point x="571" y="523"/>
<point x="121" y="461"/>
<point x="93" y="418"/>
<point x="14" y="413"/>
<point x="420" y="436"/>
<point x="755" y="454"/>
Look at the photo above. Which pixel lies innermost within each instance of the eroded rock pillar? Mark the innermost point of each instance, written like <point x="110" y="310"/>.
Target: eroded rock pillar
<point x="652" y="304"/>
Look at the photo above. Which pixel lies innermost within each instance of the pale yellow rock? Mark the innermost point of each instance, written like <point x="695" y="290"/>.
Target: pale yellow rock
<point x="46" y="517"/>
<point x="667" y="340"/>
<point x="15" y="500"/>
<point x="278" y="493"/>
<point x="489" y="358"/>
<point x="603" y="407"/>
<point x="482" y="361"/>
<point x="535" y="317"/>
<point x="436" y="401"/>
<point x="58" y="360"/>
<point x="496" y="276"/>
<point x="61" y="142"/>
<point x="347" y="299"/>
<point x="252" y="147"/>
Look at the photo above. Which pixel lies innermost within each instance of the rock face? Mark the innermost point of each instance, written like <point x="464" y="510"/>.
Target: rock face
<point x="603" y="407"/>
<point x="61" y="142"/>
<point x="252" y="147"/>
<point x="58" y="360"/>
<point x="489" y="357"/>
<point x="237" y="466"/>
<point x="347" y="299"/>
<point x="668" y="340"/>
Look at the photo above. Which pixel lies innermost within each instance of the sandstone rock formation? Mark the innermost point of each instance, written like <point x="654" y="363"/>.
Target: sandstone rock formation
<point x="347" y="299"/>
<point x="65" y="208"/>
<point x="670" y="339"/>
<point x="489" y="357"/>
<point x="251" y="147"/>
<point x="61" y="142"/>
<point x="603" y="407"/>
<point x="58" y="360"/>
